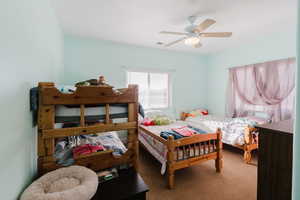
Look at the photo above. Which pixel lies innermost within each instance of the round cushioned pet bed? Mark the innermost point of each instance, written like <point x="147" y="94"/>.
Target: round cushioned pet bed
<point x="69" y="183"/>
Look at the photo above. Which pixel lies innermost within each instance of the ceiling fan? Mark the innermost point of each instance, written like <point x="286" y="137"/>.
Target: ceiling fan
<point x="195" y="32"/>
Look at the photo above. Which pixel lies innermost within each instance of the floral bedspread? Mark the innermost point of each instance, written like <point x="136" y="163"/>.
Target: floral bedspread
<point x="232" y="128"/>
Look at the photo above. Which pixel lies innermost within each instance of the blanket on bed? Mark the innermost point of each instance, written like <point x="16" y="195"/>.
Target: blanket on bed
<point x="232" y="128"/>
<point x="180" y="132"/>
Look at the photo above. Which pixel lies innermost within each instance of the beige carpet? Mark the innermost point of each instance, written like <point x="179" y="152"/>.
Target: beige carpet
<point x="201" y="182"/>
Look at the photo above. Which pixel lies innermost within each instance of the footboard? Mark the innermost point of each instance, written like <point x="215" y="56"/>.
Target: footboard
<point x="192" y="150"/>
<point x="250" y="135"/>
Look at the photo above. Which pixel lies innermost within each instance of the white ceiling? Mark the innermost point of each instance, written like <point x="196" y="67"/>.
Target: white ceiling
<point x="139" y="21"/>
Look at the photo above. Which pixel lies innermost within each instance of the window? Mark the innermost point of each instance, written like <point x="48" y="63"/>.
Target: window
<point x="153" y="88"/>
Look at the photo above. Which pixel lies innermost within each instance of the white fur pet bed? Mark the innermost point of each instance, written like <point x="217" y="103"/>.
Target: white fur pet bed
<point x="69" y="183"/>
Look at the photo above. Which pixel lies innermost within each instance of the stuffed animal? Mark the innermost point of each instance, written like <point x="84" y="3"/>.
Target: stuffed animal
<point x="162" y="120"/>
<point x="101" y="82"/>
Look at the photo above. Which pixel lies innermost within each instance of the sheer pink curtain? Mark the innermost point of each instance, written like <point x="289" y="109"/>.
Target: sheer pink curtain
<point x="267" y="87"/>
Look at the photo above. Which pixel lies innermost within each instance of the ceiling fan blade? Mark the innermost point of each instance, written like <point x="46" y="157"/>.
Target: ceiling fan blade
<point x="174" y="42"/>
<point x="217" y="34"/>
<point x="172" y="33"/>
<point x="197" y="45"/>
<point x="204" y="25"/>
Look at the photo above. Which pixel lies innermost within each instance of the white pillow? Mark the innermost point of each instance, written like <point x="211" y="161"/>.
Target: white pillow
<point x="154" y="113"/>
<point x="263" y="115"/>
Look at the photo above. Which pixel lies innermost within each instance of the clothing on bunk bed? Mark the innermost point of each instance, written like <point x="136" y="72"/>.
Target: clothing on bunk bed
<point x="63" y="154"/>
<point x="34" y="102"/>
<point x="69" y="148"/>
<point x="87" y="149"/>
<point x="111" y="140"/>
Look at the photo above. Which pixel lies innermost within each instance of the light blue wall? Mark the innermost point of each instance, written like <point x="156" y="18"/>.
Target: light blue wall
<point x="88" y="58"/>
<point x="296" y="148"/>
<point x="272" y="47"/>
<point x="30" y="51"/>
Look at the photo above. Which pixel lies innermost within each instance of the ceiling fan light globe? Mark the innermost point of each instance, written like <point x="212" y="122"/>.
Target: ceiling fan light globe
<point x="191" y="41"/>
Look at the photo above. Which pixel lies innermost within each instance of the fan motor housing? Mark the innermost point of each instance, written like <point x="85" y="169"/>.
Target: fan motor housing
<point x="190" y="29"/>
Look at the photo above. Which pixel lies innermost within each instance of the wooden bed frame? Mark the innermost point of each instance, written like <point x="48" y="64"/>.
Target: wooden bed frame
<point x="250" y="143"/>
<point x="50" y="96"/>
<point x="200" y="141"/>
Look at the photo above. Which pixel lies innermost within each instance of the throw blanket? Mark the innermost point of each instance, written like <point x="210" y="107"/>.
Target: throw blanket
<point x="180" y="132"/>
<point x="232" y="128"/>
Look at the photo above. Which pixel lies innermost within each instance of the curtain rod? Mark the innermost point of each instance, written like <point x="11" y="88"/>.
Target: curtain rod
<point x="262" y="62"/>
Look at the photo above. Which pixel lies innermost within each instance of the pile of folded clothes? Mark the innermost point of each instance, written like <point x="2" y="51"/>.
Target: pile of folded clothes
<point x="86" y="149"/>
<point x="180" y="132"/>
<point x="73" y="147"/>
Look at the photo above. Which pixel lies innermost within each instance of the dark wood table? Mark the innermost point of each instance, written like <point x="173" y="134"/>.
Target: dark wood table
<point x="128" y="186"/>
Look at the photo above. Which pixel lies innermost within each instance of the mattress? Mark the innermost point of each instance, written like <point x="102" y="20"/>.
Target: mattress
<point x="64" y="111"/>
<point x="158" y="129"/>
<point x="68" y="113"/>
<point x="156" y="148"/>
<point x="64" y="114"/>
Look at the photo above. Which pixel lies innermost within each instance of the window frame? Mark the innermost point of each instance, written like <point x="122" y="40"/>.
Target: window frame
<point x="154" y="71"/>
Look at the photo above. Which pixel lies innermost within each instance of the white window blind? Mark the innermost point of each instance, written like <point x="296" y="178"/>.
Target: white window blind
<point x="153" y="88"/>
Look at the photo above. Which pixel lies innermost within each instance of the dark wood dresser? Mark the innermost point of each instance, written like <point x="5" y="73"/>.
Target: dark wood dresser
<point x="275" y="161"/>
<point x="128" y="186"/>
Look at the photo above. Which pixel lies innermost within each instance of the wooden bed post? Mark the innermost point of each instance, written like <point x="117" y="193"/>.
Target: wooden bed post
<point x="247" y="154"/>
<point x="219" y="160"/>
<point x="170" y="146"/>
<point x="46" y="120"/>
<point x="182" y="116"/>
<point x="133" y="134"/>
<point x="248" y="141"/>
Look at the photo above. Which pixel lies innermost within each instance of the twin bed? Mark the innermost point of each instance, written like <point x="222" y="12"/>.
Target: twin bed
<point x="183" y="152"/>
<point x="237" y="132"/>
<point x="187" y="151"/>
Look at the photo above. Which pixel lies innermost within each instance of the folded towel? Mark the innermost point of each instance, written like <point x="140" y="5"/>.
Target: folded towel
<point x="184" y="131"/>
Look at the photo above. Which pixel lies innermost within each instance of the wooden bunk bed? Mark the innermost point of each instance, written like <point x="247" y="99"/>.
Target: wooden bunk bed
<point x="250" y="140"/>
<point x="210" y="144"/>
<point x="50" y="97"/>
